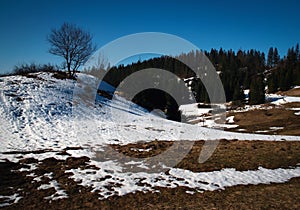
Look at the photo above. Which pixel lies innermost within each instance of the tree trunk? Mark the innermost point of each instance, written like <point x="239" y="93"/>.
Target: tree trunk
<point x="69" y="68"/>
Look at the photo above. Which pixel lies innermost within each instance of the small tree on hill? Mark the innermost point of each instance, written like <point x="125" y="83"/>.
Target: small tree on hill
<point x="71" y="43"/>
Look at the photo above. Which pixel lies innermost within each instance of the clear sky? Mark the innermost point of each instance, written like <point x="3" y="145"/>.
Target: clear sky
<point x="229" y="24"/>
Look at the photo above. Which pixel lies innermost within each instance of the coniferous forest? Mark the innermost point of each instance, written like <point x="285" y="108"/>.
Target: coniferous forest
<point x="238" y="71"/>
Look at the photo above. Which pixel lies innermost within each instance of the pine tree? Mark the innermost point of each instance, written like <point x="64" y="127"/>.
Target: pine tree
<point x="297" y="52"/>
<point x="238" y="95"/>
<point x="270" y="57"/>
<point x="257" y="91"/>
<point x="272" y="83"/>
<point x="276" y="57"/>
<point x="172" y="109"/>
<point x="288" y="79"/>
<point x="297" y="77"/>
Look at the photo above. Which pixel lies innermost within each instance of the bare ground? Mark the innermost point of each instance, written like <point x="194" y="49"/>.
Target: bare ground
<point x="242" y="155"/>
<point x="262" y="120"/>
<point x="291" y="92"/>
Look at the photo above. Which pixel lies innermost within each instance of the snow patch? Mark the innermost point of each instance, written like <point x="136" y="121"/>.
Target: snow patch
<point x="59" y="193"/>
<point x="276" y="128"/>
<point x="109" y="180"/>
<point x="286" y="99"/>
<point x="189" y="110"/>
<point x="190" y="192"/>
<point x="230" y="119"/>
<point x="10" y="199"/>
<point x="49" y="119"/>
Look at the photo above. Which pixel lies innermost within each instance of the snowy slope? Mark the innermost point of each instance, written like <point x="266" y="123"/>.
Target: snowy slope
<point x="42" y="113"/>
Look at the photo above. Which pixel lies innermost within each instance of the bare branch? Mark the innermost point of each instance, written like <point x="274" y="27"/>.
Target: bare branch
<point x="71" y="43"/>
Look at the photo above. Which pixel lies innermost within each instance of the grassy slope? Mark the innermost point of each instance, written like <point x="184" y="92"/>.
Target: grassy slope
<point x="262" y="119"/>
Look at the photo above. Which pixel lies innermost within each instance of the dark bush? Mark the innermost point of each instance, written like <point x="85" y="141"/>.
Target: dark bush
<point x="63" y="75"/>
<point x="28" y="69"/>
<point x="25" y="69"/>
<point x="201" y="105"/>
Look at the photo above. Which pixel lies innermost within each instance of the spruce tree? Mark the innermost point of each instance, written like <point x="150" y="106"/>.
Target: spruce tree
<point x="257" y="91"/>
<point x="297" y="77"/>
<point x="238" y="95"/>
<point x="272" y="83"/>
<point x="270" y="57"/>
<point x="297" y="53"/>
<point x="276" y="57"/>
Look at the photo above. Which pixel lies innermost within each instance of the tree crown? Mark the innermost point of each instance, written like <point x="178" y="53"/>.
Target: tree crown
<point x="73" y="44"/>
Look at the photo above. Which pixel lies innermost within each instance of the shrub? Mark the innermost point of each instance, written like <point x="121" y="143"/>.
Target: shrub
<point x="63" y="75"/>
<point x="25" y="69"/>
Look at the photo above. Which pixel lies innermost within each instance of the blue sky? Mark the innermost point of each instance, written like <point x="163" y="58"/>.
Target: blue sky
<point x="208" y="24"/>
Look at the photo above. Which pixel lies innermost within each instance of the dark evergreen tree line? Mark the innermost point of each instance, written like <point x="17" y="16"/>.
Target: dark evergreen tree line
<point x="286" y="73"/>
<point x="152" y="98"/>
<point x="238" y="71"/>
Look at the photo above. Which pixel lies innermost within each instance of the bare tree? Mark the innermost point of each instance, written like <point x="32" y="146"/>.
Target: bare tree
<point x="73" y="44"/>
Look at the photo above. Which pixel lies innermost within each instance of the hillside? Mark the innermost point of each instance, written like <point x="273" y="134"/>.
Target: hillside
<point x="63" y="144"/>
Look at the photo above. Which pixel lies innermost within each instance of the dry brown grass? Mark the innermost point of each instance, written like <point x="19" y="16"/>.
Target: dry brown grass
<point x="291" y="92"/>
<point x="274" y="196"/>
<point x="242" y="155"/>
<point x="261" y="120"/>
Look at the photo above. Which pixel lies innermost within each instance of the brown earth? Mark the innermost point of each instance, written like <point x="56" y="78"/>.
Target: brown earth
<point x="262" y="119"/>
<point x="242" y="155"/>
<point x="274" y="196"/>
<point x="291" y="92"/>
